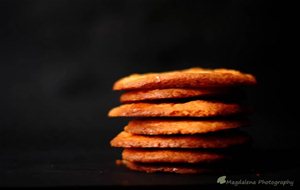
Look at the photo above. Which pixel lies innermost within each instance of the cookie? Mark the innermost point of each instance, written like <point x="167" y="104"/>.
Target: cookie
<point x="171" y="93"/>
<point x="170" y="156"/>
<point x="196" y="108"/>
<point x="220" y="140"/>
<point x="168" y="168"/>
<point x="171" y="127"/>
<point x="189" y="78"/>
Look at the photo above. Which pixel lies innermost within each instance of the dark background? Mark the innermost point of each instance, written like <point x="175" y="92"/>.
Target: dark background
<point x="59" y="60"/>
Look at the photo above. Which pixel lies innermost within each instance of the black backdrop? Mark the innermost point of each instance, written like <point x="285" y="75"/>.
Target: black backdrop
<point x="59" y="60"/>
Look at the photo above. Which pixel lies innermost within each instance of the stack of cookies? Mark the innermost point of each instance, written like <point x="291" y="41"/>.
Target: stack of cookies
<point x="181" y="120"/>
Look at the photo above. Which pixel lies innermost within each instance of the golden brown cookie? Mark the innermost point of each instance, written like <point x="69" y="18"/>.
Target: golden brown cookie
<point x="196" y="108"/>
<point x="171" y="93"/>
<point x="170" y="156"/>
<point x="189" y="78"/>
<point x="171" y="127"/>
<point x="220" y="140"/>
<point x="169" y="168"/>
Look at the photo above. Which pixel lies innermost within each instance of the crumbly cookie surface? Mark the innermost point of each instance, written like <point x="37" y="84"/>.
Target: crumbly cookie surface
<point x="171" y="93"/>
<point x="188" y="78"/>
<point x="170" y="156"/>
<point x="196" y="108"/>
<point x="171" y="127"/>
<point x="128" y="140"/>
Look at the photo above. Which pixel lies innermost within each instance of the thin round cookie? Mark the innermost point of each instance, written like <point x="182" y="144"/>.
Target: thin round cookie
<point x="196" y="108"/>
<point x="171" y="93"/>
<point x="166" y="168"/>
<point x="173" y="127"/>
<point x="189" y="78"/>
<point x="220" y="140"/>
<point x="171" y="156"/>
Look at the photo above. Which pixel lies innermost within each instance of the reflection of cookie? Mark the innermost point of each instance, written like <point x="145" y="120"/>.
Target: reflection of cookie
<point x="196" y="108"/>
<point x="168" y="127"/>
<point x="223" y="140"/>
<point x="189" y="78"/>
<point x="169" y="168"/>
<point x="170" y="156"/>
<point x="159" y="94"/>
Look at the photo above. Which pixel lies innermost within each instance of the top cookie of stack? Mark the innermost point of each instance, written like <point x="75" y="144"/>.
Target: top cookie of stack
<point x="188" y="78"/>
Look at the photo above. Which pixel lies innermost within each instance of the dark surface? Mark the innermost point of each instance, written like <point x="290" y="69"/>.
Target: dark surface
<point x="97" y="168"/>
<point x="59" y="60"/>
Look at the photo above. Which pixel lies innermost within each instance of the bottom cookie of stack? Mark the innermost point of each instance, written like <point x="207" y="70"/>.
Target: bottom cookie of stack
<point x="182" y="161"/>
<point x="165" y="167"/>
